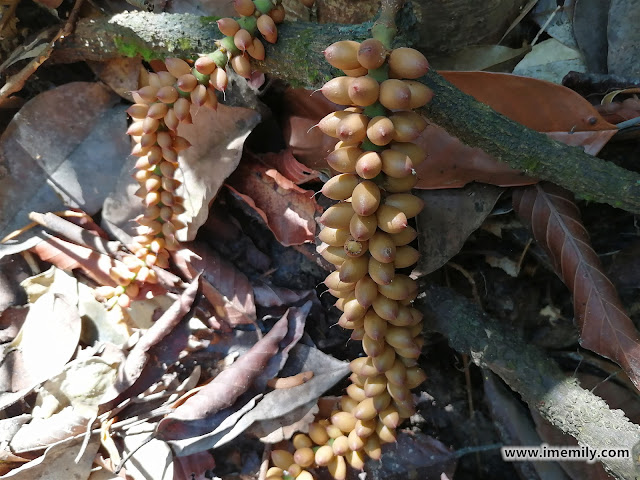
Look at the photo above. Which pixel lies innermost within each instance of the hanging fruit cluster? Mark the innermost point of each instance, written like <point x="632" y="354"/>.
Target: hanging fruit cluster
<point x="161" y="106"/>
<point x="366" y="236"/>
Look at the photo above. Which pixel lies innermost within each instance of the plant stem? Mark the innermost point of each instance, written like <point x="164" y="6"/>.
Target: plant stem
<point x="530" y="372"/>
<point x="298" y="58"/>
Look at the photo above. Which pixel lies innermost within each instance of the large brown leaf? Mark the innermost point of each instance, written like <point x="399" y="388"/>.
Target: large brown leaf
<point x="224" y="286"/>
<point x="288" y="210"/>
<point x="604" y="326"/>
<point x="197" y="415"/>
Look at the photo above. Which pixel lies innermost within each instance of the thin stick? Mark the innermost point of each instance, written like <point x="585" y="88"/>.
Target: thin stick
<point x="17" y="81"/>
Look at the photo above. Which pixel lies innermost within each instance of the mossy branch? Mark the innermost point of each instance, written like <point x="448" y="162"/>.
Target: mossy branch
<point x="530" y="372"/>
<point x="298" y="58"/>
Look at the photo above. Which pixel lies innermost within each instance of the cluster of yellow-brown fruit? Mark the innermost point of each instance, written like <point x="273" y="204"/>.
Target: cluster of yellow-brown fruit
<point x="160" y="107"/>
<point x="366" y="236"/>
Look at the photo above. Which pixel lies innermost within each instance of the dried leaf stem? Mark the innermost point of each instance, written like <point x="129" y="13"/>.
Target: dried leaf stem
<point x="298" y="59"/>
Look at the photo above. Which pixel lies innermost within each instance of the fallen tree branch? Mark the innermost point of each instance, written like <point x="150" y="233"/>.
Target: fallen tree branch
<point x="298" y="58"/>
<point x="530" y="372"/>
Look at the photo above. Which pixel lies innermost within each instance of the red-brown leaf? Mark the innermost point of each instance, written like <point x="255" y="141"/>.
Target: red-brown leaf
<point x="224" y="286"/>
<point x="287" y="209"/>
<point x="604" y="326"/>
<point x="192" y="418"/>
<point x="285" y="163"/>
<point x="69" y="256"/>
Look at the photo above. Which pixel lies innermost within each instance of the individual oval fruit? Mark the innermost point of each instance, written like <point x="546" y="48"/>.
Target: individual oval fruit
<point x="334" y="236"/>
<point x="353" y="269"/>
<point x="395" y="94"/>
<point x="365" y="198"/>
<point x="344" y="159"/>
<point x="380" y="130"/>
<point x="409" y="204"/>
<point x="381" y="273"/>
<point x="390" y="219"/>
<point x="343" y="54"/>
<point x="366" y="290"/>
<point x="412" y="150"/>
<point x="407" y="63"/>
<point x="397" y="185"/>
<point x="420" y="94"/>
<point x="363" y="228"/>
<point x="340" y="187"/>
<point x="363" y="91"/>
<point x="267" y="28"/>
<point x="352" y="128"/>
<point x="371" y="54"/>
<point x="407" y="126"/>
<point x="406" y="256"/>
<point x="369" y="164"/>
<point x="382" y="247"/>
<point x="338" y="215"/>
<point x="396" y="164"/>
<point x="228" y="27"/>
<point x="336" y="90"/>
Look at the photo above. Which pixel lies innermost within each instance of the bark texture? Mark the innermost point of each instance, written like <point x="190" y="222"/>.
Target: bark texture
<point x="298" y="58"/>
<point x="529" y="371"/>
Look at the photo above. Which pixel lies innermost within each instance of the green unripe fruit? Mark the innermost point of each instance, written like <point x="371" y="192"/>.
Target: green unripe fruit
<point x="219" y="58"/>
<point x="249" y="23"/>
<point x="263" y="6"/>
<point x="227" y="44"/>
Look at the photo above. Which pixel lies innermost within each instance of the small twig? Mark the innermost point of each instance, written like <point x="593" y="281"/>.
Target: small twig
<point x="16" y="82"/>
<point x="264" y="465"/>
<point x="87" y="437"/>
<point x="75" y="233"/>
<point x="546" y="24"/>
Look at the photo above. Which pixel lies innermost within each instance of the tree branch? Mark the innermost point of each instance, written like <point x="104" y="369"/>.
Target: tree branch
<point x="530" y="372"/>
<point x="298" y="58"/>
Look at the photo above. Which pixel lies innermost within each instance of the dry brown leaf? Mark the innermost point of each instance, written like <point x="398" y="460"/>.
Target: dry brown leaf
<point x="65" y="147"/>
<point x="195" y="416"/>
<point x="285" y="163"/>
<point x="447" y="220"/>
<point x="47" y="340"/>
<point x="224" y="286"/>
<point x="288" y="210"/>
<point x="604" y="326"/>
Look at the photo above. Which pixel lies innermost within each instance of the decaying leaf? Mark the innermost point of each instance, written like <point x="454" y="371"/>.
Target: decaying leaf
<point x="64" y="147"/>
<point x="43" y="432"/>
<point x="447" y="220"/>
<point x="58" y="462"/>
<point x="287" y="209"/>
<point x="224" y="286"/>
<point x="413" y="456"/>
<point x="158" y="348"/>
<point x="69" y="256"/>
<point x="45" y="343"/>
<point x="153" y="460"/>
<point x="604" y="326"/>
<point x="286" y="164"/>
<point x="551" y="60"/>
<point x="196" y="415"/>
<point x="539" y="105"/>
